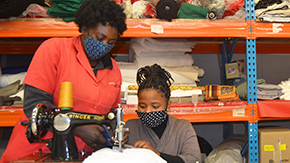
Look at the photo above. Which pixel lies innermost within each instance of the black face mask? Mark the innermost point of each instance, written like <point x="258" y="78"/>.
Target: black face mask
<point x="152" y="119"/>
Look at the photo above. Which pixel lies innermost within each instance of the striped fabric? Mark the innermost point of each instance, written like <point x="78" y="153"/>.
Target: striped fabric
<point x="221" y="93"/>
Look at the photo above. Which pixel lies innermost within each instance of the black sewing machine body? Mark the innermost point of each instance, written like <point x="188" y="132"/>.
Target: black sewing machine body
<point x="62" y="145"/>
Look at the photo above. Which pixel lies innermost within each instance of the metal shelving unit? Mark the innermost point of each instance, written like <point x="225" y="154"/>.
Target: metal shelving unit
<point x="46" y="28"/>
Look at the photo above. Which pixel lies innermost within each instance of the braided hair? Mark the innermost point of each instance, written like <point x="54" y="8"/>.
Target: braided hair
<point x="154" y="77"/>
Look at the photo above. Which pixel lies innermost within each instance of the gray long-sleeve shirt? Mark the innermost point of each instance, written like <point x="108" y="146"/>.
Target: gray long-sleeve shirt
<point x="178" y="139"/>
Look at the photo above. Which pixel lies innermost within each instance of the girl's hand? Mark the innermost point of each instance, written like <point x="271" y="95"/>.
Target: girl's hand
<point x="125" y="138"/>
<point x="146" y="145"/>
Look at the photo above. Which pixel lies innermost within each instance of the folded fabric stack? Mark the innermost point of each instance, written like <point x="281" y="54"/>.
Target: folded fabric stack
<point x="277" y="12"/>
<point x="168" y="53"/>
<point x="11" y="89"/>
<point x="160" y="48"/>
<point x="285" y="85"/>
<point x="268" y="91"/>
<point x="265" y="91"/>
<point x="184" y="78"/>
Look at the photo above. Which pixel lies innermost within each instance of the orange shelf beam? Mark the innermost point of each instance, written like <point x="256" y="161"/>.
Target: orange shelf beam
<point x="136" y="28"/>
<point x="226" y="116"/>
<point x="9" y="114"/>
<point x="270" y="30"/>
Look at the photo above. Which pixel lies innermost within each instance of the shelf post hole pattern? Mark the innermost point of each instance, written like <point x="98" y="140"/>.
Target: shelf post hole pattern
<point x="252" y="98"/>
<point x="250" y="9"/>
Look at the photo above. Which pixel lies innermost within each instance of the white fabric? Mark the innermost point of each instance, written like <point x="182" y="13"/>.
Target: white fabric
<point x="164" y="44"/>
<point x="285" y="85"/>
<point x="129" y="71"/>
<point x="228" y="151"/>
<point x="136" y="155"/>
<point x="168" y="61"/>
<point x="139" y="8"/>
<point x="138" y="50"/>
<point x="159" y="46"/>
<point x="274" y="13"/>
<point x="127" y="8"/>
<point x="7" y="79"/>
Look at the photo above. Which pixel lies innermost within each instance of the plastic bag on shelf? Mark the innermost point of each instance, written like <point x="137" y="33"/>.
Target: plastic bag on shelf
<point x="150" y="11"/>
<point x="216" y="8"/>
<point x="232" y="6"/>
<point x="139" y="9"/>
<point x="240" y="14"/>
<point x="126" y="4"/>
<point x="36" y="11"/>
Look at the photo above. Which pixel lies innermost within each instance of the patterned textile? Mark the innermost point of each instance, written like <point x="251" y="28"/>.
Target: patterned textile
<point x="221" y="93"/>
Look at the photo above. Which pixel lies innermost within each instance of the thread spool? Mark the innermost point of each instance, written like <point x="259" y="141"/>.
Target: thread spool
<point x="66" y="95"/>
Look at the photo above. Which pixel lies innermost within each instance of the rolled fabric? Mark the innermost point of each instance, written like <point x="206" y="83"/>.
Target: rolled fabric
<point x="167" y="9"/>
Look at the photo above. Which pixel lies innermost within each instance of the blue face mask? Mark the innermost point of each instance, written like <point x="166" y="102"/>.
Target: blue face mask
<point x="96" y="49"/>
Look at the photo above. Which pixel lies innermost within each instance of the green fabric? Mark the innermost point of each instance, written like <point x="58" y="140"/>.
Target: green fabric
<point x="242" y="88"/>
<point x="68" y="19"/>
<point x="189" y="11"/>
<point x="64" y="9"/>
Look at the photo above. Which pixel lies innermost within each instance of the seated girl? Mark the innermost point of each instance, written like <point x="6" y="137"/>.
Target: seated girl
<point x="172" y="139"/>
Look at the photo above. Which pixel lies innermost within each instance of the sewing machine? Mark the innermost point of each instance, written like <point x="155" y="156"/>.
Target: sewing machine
<point x="62" y="145"/>
<point x="62" y="122"/>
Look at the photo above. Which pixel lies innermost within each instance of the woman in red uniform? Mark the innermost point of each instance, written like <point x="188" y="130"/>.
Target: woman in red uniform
<point x="82" y="60"/>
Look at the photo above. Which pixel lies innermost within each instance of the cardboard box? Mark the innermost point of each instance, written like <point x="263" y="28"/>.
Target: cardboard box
<point x="274" y="145"/>
<point x="236" y="69"/>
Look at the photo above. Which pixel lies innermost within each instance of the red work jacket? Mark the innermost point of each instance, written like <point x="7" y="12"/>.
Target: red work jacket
<point x="58" y="60"/>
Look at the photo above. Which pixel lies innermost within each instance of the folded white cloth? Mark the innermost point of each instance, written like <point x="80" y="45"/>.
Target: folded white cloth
<point x="164" y="44"/>
<point x="181" y="75"/>
<point x="285" y="85"/>
<point x="275" y="13"/>
<point x="140" y="50"/>
<point x="7" y="79"/>
<point x="165" y="61"/>
<point x="136" y="155"/>
<point x="161" y="46"/>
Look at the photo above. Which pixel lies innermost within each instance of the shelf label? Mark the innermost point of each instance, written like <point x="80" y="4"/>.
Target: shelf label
<point x="276" y="28"/>
<point x="282" y="147"/>
<point x="269" y="148"/>
<point x="157" y="29"/>
<point x="238" y="112"/>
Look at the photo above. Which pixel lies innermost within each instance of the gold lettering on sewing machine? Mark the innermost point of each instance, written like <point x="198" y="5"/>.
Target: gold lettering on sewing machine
<point x="83" y="116"/>
<point x="79" y="116"/>
<point x="99" y="118"/>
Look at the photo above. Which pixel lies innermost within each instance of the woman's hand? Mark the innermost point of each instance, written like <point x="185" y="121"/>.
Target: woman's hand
<point x="90" y="134"/>
<point x="125" y="138"/>
<point x="146" y="145"/>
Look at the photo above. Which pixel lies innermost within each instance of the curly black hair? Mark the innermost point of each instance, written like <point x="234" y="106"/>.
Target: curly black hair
<point x="154" y="77"/>
<point x="93" y="12"/>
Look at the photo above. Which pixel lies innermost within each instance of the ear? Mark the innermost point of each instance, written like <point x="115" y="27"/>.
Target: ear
<point x="84" y="30"/>
<point x="168" y="105"/>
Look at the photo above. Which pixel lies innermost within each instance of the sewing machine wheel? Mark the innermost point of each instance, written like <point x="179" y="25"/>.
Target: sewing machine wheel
<point x="39" y="119"/>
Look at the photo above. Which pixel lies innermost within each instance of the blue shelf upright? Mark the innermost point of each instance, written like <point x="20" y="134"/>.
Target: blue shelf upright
<point x="252" y="85"/>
